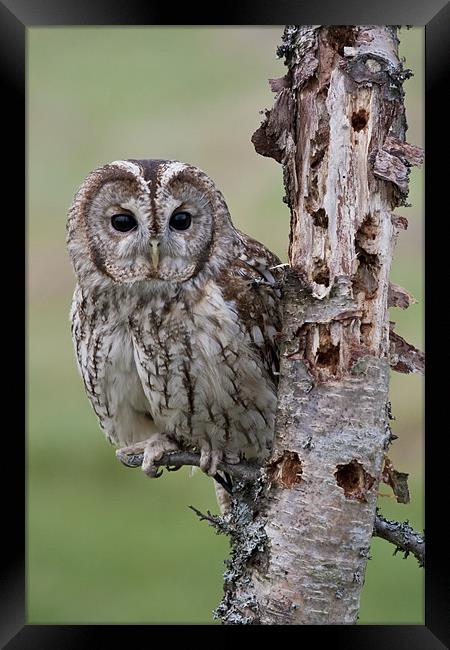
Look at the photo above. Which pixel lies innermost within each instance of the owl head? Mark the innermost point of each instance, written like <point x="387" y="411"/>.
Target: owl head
<point x="148" y="220"/>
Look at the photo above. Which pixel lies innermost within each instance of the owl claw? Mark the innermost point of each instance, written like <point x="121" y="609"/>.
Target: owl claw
<point x="150" y="451"/>
<point x="131" y="456"/>
<point x="154" y="450"/>
<point x="209" y="460"/>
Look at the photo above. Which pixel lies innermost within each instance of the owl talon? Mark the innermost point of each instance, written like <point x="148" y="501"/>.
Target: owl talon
<point x="146" y="453"/>
<point x="153" y="471"/>
<point x="209" y="460"/>
<point x="131" y="456"/>
<point x="172" y="468"/>
<point x="155" y="449"/>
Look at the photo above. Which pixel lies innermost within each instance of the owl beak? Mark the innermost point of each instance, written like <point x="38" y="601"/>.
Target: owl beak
<point x="155" y="253"/>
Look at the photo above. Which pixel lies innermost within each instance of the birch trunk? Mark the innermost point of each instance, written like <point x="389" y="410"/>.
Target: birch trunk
<point x="301" y="534"/>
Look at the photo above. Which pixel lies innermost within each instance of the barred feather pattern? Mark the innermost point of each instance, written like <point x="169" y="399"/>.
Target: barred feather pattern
<point x="187" y="351"/>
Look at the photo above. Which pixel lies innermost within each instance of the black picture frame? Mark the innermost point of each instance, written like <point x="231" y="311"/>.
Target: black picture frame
<point x="15" y="17"/>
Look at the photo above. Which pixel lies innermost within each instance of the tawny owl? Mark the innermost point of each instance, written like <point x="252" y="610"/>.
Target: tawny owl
<point x="175" y="314"/>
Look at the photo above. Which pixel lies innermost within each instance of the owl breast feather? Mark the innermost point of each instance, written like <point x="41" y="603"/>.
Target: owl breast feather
<point x="202" y="376"/>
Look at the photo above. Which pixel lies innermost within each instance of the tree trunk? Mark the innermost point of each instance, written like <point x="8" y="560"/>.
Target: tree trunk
<point x="301" y="534"/>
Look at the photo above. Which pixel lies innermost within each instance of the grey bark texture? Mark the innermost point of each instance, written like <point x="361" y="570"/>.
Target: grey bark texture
<point x="301" y="532"/>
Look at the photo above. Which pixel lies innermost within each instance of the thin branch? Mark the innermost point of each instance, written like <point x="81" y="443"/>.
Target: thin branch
<point x="402" y="536"/>
<point x="216" y="521"/>
<point x="243" y="471"/>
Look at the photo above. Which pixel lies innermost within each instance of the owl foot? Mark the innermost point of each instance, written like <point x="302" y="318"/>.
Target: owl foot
<point x="151" y="450"/>
<point x="154" y="450"/>
<point x="209" y="459"/>
<point x="231" y="457"/>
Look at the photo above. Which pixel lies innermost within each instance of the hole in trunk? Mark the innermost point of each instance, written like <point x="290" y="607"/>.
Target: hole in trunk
<point x="360" y="119"/>
<point x="319" y="146"/>
<point x="320" y="218"/>
<point x="366" y="276"/>
<point x="366" y="333"/>
<point x="367" y="231"/>
<point x="340" y="36"/>
<point x="313" y="193"/>
<point x="321" y="273"/>
<point x="286" y="470"/>
<point x="327" y="355"/>
<point x="354" y="480"/>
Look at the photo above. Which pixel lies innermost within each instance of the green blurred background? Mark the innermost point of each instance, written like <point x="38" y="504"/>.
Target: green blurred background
<point x="106" y="544"/>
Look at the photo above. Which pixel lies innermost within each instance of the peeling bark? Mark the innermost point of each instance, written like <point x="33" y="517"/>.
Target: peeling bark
<point x="404" y="357"/>
<point x="398" y="481"/>
<point x="401" y="223"/>
<point x="399" y="297"/>
<point x="301" y="532"/>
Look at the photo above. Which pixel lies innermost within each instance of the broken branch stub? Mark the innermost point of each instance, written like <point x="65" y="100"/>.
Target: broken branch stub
<point x="404" y="357"/>
<point x="338" y="128"/>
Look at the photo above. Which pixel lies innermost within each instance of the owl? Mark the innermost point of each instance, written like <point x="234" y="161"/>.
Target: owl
<point x="175" y="315"/>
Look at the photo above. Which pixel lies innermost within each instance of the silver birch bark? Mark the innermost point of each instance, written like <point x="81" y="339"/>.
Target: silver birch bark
<point x="301" y="533"/>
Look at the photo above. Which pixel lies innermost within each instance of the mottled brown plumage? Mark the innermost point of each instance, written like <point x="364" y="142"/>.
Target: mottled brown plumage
<point x="174" y="331"/>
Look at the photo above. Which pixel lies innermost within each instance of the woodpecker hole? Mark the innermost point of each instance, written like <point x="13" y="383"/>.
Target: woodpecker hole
<point x="327" y="355"/>
<point x="286" y="471"/>
<point x="366" y="276"/>
<point x="321" y="273"/>
<point x="360" y="119"/>
<point x="320" y="218"/>
<point x="366" y="333"/>
<point x="354" y="480"/>
<point x="340" y="36"/>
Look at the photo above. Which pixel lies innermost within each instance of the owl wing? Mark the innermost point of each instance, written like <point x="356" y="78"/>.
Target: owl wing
<point x="253" y="283"/>
<point x="91" y="351"/>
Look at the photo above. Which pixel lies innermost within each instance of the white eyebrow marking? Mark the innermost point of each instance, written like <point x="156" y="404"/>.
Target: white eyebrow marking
<point x="128" y="166"/>
<point x="135" y="170"/>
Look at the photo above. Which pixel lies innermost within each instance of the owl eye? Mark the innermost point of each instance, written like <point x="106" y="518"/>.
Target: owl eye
<point x="180" y="220"/>
<point x="123" y="222"/>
